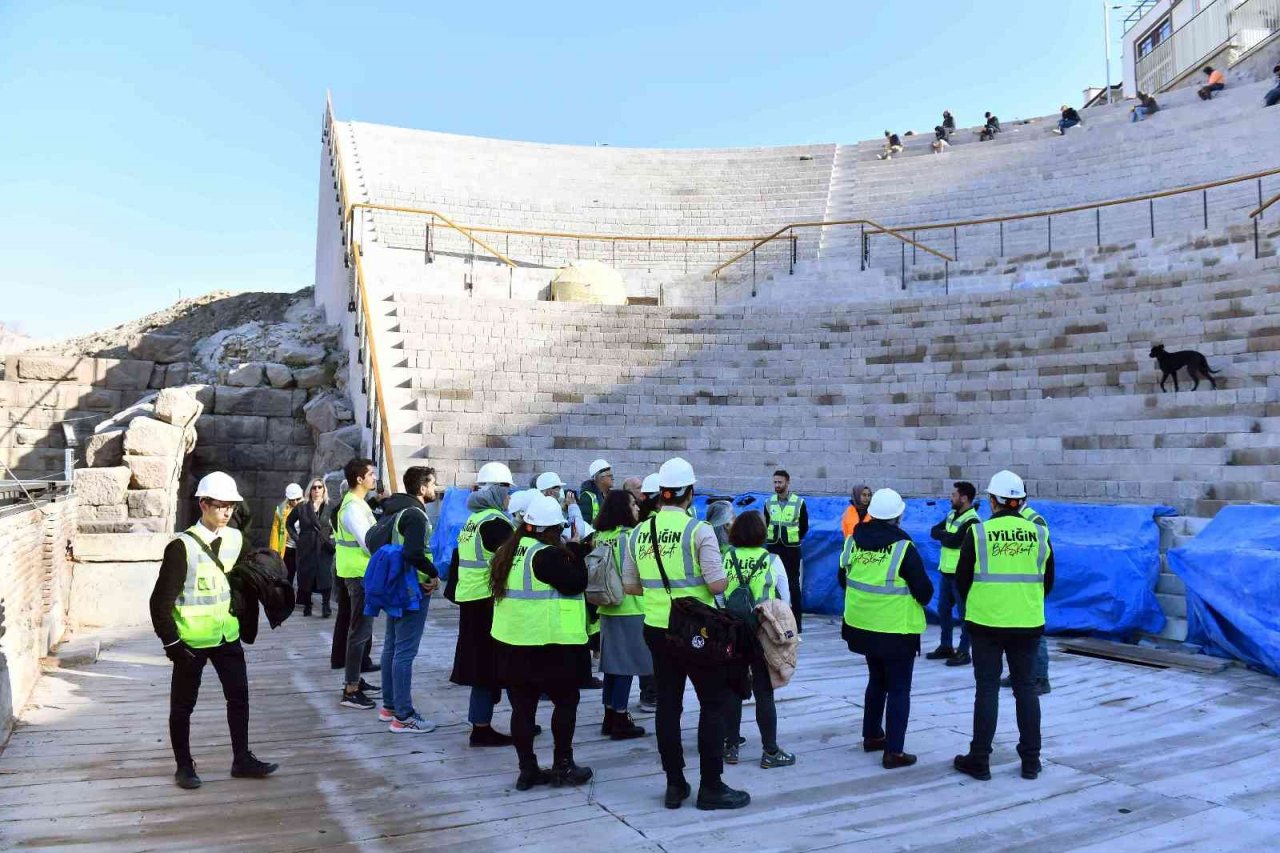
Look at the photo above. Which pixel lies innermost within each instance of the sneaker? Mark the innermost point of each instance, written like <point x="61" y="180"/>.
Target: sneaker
<point x="721" y="796"/>
<point x="186" y="777"/>
<point x="385" y="714"/>
<point x="357" y="700"/>
<point x="940" y="653"/>
<point x="971" y="766"/>
<point x="369" y="689"/>
<point x="959" y="659"/>
<point x="647" y="706"/>
<point x="415" y="725"/>
<point x="1042" y="686"/>
<point x="731" y="753"/>
<point x="779" y="758"/>
<point x="248" y="766"/>
<point x="893" y="760"/>
<point x="487" y="736"/>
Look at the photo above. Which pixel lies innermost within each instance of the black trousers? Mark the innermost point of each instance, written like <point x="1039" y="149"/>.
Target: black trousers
<point x="564" y="719"/>
<point x="987" y="650"/>
<point x="712" y="687"/>
<point x="790" y="558"/>
<point x="886" y="704"/>
<point x="291" y="563"/>
<point x="228" y="662"/>
<point x="766" y="710"/>
<point x="341" y="626"/>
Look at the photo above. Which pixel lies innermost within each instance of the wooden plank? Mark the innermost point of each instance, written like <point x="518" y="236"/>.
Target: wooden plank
<point x="1143" y="654"/>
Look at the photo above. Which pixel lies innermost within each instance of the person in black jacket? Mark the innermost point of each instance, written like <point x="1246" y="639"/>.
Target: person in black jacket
<point x="1070" y="118"/>
<point x="990" y="128"/>
<point x="890" y="654"/>
<point x="950" y="533"/>
<point x="311" y="525"/>
<point x="404" y="632"/>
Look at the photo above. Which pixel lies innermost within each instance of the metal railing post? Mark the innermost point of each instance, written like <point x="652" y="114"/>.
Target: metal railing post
<point x="1259" y="197"/>
<point x="955" y="242"/>
<point x="753" y="272"/>
<point x="792" y="270"/>
<point x="1002" y="238"/>
<point x="946" y="277"/>
<point x="1097" y="223"/>
<point x="430" y="249"/>
<point x="1151" y="214"/>
<point x="904" y="265"/>
<point x="1204" y="196"/>
<point x="913" y="248"/>
<point x="1049" y="221"/>
<point x="1255" y="237"/>
<point x="862" y="248"/>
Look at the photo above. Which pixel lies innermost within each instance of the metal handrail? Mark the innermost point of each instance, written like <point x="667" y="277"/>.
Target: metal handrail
<point x="880" y="229"/>
<point x="1257" y="211"/>
<point x="465" y="231"/>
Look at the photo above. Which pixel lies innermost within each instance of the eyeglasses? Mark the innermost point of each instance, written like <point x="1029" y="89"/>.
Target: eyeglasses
<point x="220" y="505"/>
<point x="317" y="488"/>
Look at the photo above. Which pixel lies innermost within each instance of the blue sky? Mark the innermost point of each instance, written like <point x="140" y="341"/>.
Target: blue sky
<point x="151" y="150"/>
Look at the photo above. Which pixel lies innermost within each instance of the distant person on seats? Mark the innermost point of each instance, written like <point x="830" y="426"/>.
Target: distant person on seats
<point x="990" y="129"/>
<point x="1273" y="97"/>
<point x="892" y="145"/>
<point x="1217" y="81"/>
<point x="939" y="143"/>
<point x="948" y="122"/>
<point x="1146" y="106"/>
<point x="1070" y="118"/>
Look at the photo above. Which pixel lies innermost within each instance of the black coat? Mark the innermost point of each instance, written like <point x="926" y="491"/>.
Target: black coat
<point x="313" y="533"/>
<point x="873" y="534"/>
<point x="259" y="578"/>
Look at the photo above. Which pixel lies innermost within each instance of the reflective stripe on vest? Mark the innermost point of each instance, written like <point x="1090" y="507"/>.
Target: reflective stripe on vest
<point x="533" y="613"/>
<point x="350" y="560"/>
<point x="676" y="538"/>
<point x="784" y="520"/>
<point x="473" y="557"/>
<point x="631" y="605"/>
<point x="397" y="538"/>
<point x="753" y="564"/>
<point x="872" y="604"/>
<point x="202" y="611"/>
<point x="593" y="507"/>
<point x="1008" y="580"/>
<point x="949" y="557"/>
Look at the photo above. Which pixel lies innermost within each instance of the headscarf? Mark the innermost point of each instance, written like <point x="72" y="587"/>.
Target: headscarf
<point x="857" y="499"/>
<point x="490" y="497"/>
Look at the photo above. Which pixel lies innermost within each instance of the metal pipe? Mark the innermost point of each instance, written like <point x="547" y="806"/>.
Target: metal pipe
<point x="1097" y="223"/>
<point x="1204" y="195"/>
<point x="1151" y="212"/>
<point x="1049" y="221"/>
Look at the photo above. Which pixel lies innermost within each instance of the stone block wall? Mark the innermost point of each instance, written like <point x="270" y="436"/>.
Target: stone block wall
<point x="35" y="582"/>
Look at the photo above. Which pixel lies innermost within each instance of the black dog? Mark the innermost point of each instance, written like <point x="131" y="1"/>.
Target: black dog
<point x="1195" y="363"/>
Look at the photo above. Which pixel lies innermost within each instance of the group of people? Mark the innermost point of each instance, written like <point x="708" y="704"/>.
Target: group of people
<point x="942" y="134"/>
<point x="518" y="576"/>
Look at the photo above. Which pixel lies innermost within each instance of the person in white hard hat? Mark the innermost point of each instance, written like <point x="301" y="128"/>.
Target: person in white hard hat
<point x="691" y="561"/>
<point x="550" y="484"/>
<point x="1004" y="573"/>
<point x="885" y="593"/>
<point x="647" y="505"/>
<point x="475" y="662"/>
<point x="540" y="633"/>
<point x="191" y="614"/>
<point x="281" y="540"/>
<point x="595" y="489"/>
<point x="519" y="503"/>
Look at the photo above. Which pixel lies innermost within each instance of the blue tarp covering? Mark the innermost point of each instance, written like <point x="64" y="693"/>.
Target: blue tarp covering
<point x="1107" y="557"/>
<point x="1232" y="573"/>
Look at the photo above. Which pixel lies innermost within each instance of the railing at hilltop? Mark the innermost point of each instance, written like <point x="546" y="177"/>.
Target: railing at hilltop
<point x="375" y="406"/>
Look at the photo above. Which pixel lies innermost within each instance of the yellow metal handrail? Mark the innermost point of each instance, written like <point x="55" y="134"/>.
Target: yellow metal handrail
<point x="880" y="229"/>
<point x="1257" y="211"/>
<point x="465" y="231"/>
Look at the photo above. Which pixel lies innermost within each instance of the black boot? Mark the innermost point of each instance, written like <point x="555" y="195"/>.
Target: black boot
<point x="325" y="612"/>
<point x="978" y="768"/>
<point x="306" y="610"/>
<point x="678" y="791"/>
<point x="893" y="760"/>
<point x="624" y="727"/>
<point x="606" y="726"/>
<point x="487" y="736"/>
<point x="531" y="774"/>
<point x="248" y="766"/>
<point x="718" y="795"/>
<point x="565" y="772"/>
<point x="186" y="777"/>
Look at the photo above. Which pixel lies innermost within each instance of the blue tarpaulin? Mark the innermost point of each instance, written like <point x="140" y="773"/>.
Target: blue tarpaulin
<point x="1232" y="573"/>
<point x="1107" y="557"/>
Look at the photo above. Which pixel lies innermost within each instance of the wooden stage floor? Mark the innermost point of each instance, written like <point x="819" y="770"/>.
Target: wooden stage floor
<point x="1136" y="759"/>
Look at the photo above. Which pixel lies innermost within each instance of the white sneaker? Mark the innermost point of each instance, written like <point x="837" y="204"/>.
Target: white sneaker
<point x="414" y="725"/>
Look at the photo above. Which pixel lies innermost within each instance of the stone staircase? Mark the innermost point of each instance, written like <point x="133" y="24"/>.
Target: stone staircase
<point x="1175" y="532"/>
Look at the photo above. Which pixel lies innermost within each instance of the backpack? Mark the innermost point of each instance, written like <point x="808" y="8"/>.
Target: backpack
<point x="381" y="533"/>
<point x="604" y="578"/>
<point x="390" y="584"/>
<point x="741" y="603"/>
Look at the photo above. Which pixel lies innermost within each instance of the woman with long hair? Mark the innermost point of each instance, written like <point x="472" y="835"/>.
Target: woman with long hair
<point x="311" y="524"/>
<point x="747" y="563"/>
<point x="540" y="634"/>
<point x="623" y="653"/>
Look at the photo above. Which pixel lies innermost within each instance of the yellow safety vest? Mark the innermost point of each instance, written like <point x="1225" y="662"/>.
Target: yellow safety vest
<point x="753" y="565"/>
<point x="631" y="605"/>
<point x="876" y="598"/>
<point x="279" y="530"/>
<point x="680" y="559"/>
<point x="203" y="609"/>
<point x="1008" y="578"/>
<point x="351" y="561"/>
<point x="784" y="520"/>
<point x="473" y="557"/>
<point x="949" y="557"/>
<point x="397" y="538"/>
<point x="533" y="613"/>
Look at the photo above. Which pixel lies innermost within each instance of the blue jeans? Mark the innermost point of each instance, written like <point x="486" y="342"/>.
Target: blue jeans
<point x="1271" y="98"/>
<point x="1041" y="671"/>
<point x="480" y="708"/>
<point x="886" y="705"/>
<point x="1139" y="113"/>
<point x="399" y="648"/>
<point x="617" y="692"/>
<point x="947" y="599"/>
<point x="1064" y="123"/>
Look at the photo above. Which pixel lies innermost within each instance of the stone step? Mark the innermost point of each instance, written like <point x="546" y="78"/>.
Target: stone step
<point x="1175" y="629"/>
<point x="1171" y="584"/>
<point x="1174" y="606"/>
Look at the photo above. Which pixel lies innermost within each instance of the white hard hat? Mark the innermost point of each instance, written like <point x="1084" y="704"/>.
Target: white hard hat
<point x="886" y="505"/>
<point x="598" y="466"/>
<point x="293" y="492"/>
<point x="544" y="511"/>
<point x="520" y="501"/>
<point x="494" y="473"/>
<point x="548" y="480"/>
<point x="219" y="487"/>
<point x="650" y="485"/>
<point x="1006" y="484"/>
<point x="675" y="473"/>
